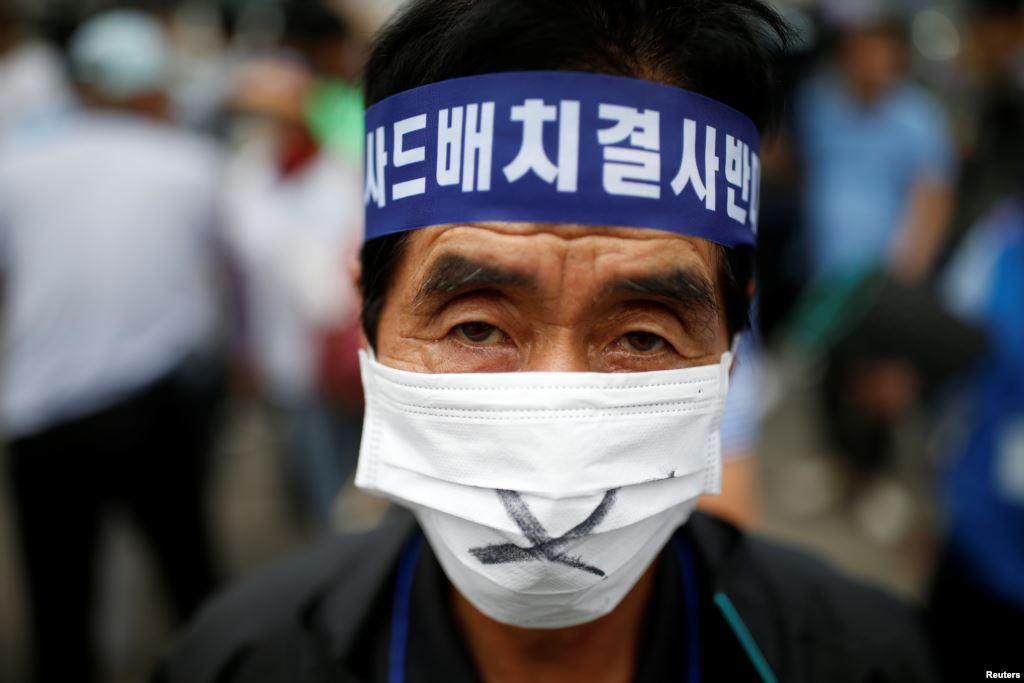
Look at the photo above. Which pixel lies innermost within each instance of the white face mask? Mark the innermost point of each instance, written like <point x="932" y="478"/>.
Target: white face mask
<point x="544" y="495"/>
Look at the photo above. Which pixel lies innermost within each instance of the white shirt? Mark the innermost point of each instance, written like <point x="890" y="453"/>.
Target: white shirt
<point x="291" y="238"/>
<point x="105" y="231"/>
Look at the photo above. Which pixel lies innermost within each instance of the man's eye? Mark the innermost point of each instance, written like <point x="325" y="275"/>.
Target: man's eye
<point x="642" y="342"/>
<point x="478" y="333"/>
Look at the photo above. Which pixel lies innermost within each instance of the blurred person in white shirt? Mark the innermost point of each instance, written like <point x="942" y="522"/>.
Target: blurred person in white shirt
<point x="108" y="387"/>
<point x="293" y="222"/>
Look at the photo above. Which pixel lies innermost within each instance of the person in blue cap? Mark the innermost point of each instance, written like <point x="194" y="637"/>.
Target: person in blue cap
<point x="561" y="203"/>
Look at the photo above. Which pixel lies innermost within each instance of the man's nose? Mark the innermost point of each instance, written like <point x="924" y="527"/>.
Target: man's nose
<point x="559" y="351"/>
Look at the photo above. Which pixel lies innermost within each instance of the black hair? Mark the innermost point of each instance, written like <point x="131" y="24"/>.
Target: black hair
<point x="724" y="49"/>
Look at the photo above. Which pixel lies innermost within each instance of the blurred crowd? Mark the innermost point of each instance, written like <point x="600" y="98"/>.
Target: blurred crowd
<point x="180" y="219"/>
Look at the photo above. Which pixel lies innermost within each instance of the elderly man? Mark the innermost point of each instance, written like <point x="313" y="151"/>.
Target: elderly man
<point x="561" y="199"/>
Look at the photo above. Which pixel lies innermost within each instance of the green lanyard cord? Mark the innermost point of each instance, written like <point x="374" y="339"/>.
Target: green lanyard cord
<point x="735" y="621"/>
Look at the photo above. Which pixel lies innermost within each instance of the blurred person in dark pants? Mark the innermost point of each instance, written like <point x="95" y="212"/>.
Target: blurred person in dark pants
<point x="108" y="389"/>
<point x="879" y="167"/>
<point x="977" y="596"/>
<point x="293" y="222"/>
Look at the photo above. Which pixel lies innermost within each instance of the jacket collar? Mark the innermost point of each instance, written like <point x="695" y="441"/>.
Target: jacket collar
<point x="721" y="549"/>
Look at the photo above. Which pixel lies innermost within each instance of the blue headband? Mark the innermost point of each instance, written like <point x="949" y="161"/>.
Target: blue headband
<point x="561" y="147"/>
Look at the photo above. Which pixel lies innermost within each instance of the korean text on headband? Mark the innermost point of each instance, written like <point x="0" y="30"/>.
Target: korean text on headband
<point x="562" y="147"/>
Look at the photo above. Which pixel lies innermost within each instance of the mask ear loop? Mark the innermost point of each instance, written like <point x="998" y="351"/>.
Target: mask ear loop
<point x="713" y="479"/>
<point x="729" y="357"/>
<point x="727" y="362"/>
<point x="737" y="341"/>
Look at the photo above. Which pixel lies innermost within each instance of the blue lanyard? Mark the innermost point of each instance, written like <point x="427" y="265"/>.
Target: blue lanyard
<point x="688" y="573"/>
<point x="398" y="646"/>
<point x="400" y="610"/>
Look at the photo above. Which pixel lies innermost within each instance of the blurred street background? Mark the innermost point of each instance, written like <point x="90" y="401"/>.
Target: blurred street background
<point x="196" y="316"/>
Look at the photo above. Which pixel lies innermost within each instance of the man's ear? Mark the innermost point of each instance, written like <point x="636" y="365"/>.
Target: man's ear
<point x="355" y="274"/>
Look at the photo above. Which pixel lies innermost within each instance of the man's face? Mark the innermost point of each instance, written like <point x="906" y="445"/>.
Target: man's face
<point x="505" y="297"/>
<point x="874" y="62"/>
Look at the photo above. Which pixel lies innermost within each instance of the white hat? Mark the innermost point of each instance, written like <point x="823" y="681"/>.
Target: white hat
<point x="121" y="54"/>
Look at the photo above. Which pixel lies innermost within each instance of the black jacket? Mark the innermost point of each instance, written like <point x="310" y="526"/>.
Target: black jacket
<point x="302" y="620"/>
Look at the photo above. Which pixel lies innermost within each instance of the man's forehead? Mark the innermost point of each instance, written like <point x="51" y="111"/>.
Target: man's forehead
<point x="538" y="260"/>
<point x="582" y="266"/>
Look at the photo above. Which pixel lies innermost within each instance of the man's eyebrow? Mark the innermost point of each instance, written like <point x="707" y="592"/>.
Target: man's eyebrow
<point x="685" y="289"/>
<point x="452" y="273"/>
